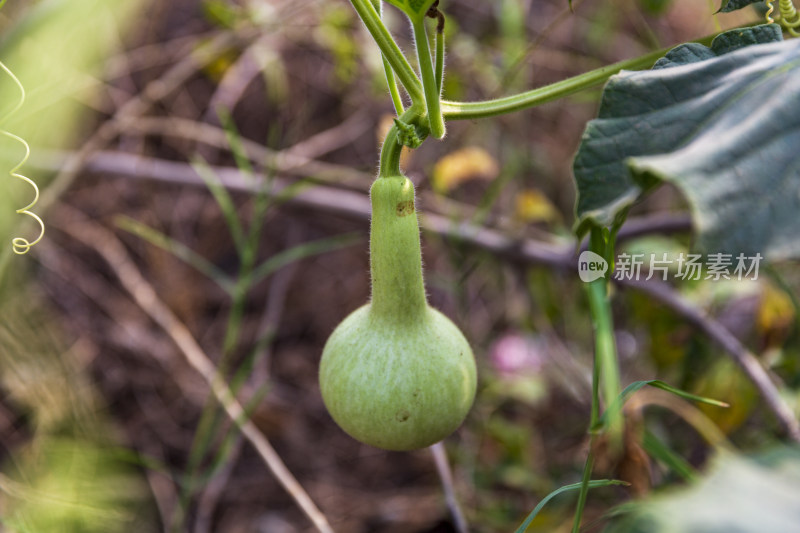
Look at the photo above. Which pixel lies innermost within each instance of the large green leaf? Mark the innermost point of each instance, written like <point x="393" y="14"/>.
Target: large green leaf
<point x="739" y="495"/>
<point x="720" y="123"/>
<point x="415" y="9"/>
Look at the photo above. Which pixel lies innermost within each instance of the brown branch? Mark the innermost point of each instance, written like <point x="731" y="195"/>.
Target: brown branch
<point x="560" y="256"/>
<point x="326" y="199"/>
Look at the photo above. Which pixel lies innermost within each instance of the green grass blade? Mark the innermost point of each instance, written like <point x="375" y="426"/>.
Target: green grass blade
<point x="636" y="385"/>
<point x="302" y="251"/>
<point x="687" y="396"/>
<point x="661" y="452"/>
<point x="179" y="250"/>
<point x="244" y="282"/>
<point x="246" y="367"/>
<point x="223" y="453"/>
<point x="223" y="199"/>
<point x="235" y="143"/>
<point x="566" y="488"/>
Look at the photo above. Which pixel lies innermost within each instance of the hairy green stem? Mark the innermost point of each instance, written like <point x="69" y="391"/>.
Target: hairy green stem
<point x="394" y="92"/>
<point x="542" y="95"/>
<point x="391" y="149"/>
<point x="429" y="85"/>
<point x="605" y="351"/>
<point x="390" y="155"/>
<point x="389" y="48"/>
<point x="439" y="60"/>
<point x="605" y="373"/>
<point x="391" y="82"/>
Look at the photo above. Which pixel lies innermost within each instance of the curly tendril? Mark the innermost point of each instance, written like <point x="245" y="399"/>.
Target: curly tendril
<point x="20" y="244"/>
<point x="787" y="15"/>
<point x="434" y="13"/>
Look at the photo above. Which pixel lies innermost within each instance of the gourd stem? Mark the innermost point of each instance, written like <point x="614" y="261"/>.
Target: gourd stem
<point x="394" y="92"/>
<point x="429" y="85"/>
<point x="390" y="154"/>
<point x="391" y="82"/>
<point x="439" y="59"/>
<point x="389" y="48"/>
<point x="391" y="150"/>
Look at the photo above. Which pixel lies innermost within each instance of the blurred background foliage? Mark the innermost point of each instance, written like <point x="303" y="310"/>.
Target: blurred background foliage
<point x="105" y="427"/>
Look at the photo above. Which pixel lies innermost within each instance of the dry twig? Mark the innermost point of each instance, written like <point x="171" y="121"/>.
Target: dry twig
<point x="446" y="476"/>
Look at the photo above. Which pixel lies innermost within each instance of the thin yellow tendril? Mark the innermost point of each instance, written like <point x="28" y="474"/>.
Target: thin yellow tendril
<point x="788" y="16"/>
<point x="20" y="244"/>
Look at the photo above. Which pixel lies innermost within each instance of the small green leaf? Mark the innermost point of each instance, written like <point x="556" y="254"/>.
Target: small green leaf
<point x="720" y="123"/>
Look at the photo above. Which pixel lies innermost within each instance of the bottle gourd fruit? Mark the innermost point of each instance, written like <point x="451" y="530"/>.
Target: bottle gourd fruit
<point x="396" y="373"/>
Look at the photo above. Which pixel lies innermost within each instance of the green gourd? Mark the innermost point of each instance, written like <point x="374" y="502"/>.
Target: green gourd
<point x="396" y="373"/>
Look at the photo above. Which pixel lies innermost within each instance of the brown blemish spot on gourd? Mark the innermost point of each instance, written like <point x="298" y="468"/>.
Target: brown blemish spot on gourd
<point x="415" y="396"/>
<point x="405" y="208"/>
<point x="402" y="415"/>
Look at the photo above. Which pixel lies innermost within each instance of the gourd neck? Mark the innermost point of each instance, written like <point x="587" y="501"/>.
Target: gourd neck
<point x="398" y="291"/>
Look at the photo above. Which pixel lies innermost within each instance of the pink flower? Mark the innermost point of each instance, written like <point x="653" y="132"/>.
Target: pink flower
<point x="515" y="353"/>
